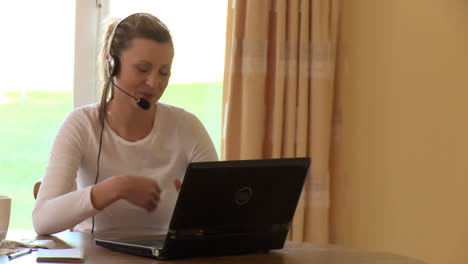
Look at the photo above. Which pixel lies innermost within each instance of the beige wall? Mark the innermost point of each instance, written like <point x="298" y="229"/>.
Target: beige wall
<point x="405" y="96"/>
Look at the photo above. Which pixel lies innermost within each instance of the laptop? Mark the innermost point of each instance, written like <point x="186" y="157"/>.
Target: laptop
<point x="226" y="208"/>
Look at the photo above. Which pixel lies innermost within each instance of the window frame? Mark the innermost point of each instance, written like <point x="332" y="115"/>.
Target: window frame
<point x="89" y="14"/>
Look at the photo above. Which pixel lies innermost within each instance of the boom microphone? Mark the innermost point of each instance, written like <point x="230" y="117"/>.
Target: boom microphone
<point x="141" y="102"/>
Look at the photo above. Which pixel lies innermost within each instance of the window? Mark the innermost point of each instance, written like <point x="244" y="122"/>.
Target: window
<point x="35" y="93"/>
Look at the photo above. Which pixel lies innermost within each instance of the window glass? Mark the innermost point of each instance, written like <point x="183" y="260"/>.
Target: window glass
<point x="36" y="72"/>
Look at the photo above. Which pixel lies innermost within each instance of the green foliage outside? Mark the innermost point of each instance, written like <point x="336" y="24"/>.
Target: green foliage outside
<point x="28" y="125"/>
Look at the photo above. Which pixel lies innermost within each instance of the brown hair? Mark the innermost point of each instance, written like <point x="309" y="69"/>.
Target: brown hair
<point x="122" y="32"/>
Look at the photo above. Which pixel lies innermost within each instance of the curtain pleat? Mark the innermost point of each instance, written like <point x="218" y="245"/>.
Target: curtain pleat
<point x="279" y="63"/>
<point x="233" y="78"/>
<point x="254" y="62"/>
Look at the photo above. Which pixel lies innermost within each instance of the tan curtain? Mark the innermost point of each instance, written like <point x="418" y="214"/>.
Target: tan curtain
<point x="279" y="95"/>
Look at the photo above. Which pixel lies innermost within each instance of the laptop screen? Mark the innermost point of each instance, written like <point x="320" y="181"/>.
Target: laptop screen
<point x="239" y="196"/>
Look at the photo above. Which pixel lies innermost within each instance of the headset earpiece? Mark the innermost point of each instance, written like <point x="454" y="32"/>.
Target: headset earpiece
<point x="112" y="66"/>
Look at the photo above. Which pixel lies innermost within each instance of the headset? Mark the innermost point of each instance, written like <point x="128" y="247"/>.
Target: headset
<point x="112" y="62"/>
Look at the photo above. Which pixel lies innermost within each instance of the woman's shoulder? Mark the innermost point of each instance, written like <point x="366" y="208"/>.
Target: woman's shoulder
<point x="86" y="114"/>
<point x="171" y="111"/>
<point x="179" y="119"/>
<point x="86" y="111"/>
<point x="79" y="122"/>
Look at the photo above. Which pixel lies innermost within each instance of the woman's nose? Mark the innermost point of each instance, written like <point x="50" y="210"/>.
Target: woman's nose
<point x="153" y="80"/>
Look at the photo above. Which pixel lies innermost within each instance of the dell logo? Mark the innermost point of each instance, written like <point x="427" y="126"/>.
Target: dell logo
<point x="243" y="195"/>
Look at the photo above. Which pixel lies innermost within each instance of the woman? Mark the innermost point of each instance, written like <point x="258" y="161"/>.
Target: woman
<point x="128" y="161"/>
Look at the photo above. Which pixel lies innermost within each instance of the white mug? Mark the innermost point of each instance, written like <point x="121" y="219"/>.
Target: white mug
<point x="5" y="208"/>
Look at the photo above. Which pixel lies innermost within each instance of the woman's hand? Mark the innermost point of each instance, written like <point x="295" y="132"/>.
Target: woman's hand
<point x="140" y="191"/>
<point x="177" y="184"/>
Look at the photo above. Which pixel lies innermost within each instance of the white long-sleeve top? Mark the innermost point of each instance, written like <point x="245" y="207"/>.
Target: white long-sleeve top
<point x="177" y="138"/>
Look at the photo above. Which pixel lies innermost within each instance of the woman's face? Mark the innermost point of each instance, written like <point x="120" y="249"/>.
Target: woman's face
<point x="145" y="68"/>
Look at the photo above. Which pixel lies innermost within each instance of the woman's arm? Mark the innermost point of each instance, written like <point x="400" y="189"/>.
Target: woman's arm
<point x="57" y="206"/>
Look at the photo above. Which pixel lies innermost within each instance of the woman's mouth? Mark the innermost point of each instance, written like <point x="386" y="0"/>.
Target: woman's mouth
<point x="147" y="96"/>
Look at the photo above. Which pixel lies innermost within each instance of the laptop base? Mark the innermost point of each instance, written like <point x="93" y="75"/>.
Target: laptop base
<point x="189" y="247"/>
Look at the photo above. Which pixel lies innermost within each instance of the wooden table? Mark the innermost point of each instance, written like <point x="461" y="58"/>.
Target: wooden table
<point x="292" y="253"/>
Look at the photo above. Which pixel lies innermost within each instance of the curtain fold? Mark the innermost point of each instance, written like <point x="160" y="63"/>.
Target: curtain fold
<point x="279" y="94"/>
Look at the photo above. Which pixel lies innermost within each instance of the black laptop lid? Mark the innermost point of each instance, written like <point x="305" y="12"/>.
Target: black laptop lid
<point x="239" y="196"/>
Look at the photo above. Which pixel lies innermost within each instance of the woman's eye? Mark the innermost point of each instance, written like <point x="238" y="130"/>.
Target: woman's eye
<point x="143" y="70"/>
<point x="164" y="73"/>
